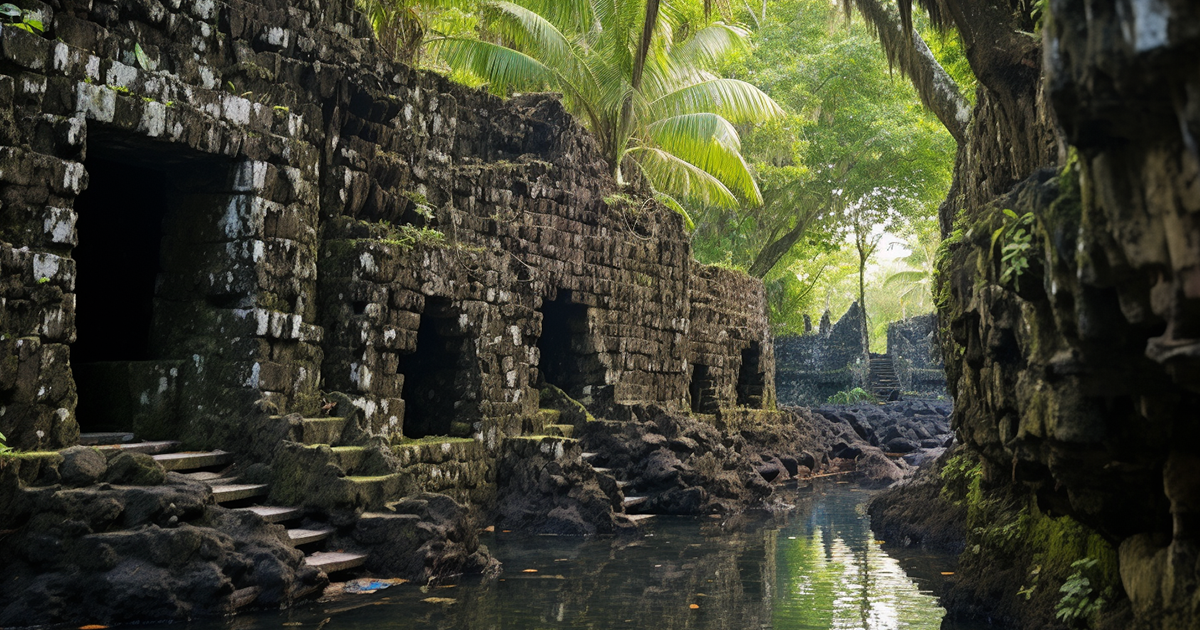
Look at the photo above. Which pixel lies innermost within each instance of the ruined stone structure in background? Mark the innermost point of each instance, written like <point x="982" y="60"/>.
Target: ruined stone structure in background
<point x="811" y="368"/>
<point x="815" y="366"/>
<point x="252" y="209"/>
<point x="916" y="355"/>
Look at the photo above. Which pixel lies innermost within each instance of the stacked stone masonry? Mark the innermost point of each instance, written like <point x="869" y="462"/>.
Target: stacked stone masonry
<point x="315" y="213"/>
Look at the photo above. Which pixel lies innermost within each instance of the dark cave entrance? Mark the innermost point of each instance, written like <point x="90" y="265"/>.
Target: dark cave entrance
<point x="439" y="398"/>
<point x="569" y="360"/>
<point x="120" y="226"/>
<point x="751" y="380"/>
<point x="702" y="390"/>
<point x="147" y="227"/>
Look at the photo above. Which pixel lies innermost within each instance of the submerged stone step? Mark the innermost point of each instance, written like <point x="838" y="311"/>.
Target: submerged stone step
<point x="104" y="439"/>
<point x="321" y="430"/>
<point x="191" y="460"/>
<point x="237" y="492"/>
<point x="300" y="536"/>
<point x="275" y="513"/>
<point x="150" y="448"/>
<point x="631" y="502"/>
<point x="333" y="561"/>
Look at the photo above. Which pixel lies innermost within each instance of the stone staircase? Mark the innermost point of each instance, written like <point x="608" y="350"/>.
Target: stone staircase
<point x="883" y="382"/>
<point x="214" y="469"/>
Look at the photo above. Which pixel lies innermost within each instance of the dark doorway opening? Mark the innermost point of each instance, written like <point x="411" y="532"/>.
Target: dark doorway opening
<point x="438" y="396"/>
<point x="568" y="360"/>
<point x="751" y="379"/>
<point x="702" y="390"/>
<point x="120" y="226"/>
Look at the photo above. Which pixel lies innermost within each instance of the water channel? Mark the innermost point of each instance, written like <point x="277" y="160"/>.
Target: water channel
<point x="815" y="567"/>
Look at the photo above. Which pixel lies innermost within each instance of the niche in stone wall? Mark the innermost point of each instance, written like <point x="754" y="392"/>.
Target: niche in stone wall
<point x="440" y="397"/>
<point x="129" y="340"/>
<point x="703" y="389"/>
<point x="751" y="379"/>
<point x="569" y="359"/>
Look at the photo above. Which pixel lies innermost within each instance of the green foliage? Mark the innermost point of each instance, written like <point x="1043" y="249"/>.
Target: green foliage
<point x="1015" y="237"/>
<point x="961" y="476"/>
<point x="855" y="148"/>
<point x="409" y="236"/>
<point x="402" y="26"/>
<point x="4" y="448"/>
<point x="677" y="127"/>
<point x="16" y="17"/>
<point x="1081" y="600"/>
<point x="851" y="396"/>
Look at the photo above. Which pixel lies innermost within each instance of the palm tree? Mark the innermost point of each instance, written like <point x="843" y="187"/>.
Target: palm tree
<point x="917" y="280"/>
<point x="653" y="102"/>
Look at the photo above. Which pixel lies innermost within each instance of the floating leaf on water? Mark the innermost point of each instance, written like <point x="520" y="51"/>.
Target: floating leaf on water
<point x="94" y="626"/>
<point x="440" y="600"/>
<point x="947" y="573"/>
<point x="489" y="529"/>
<point x="529" y="571"/>
<point x="694" y="606"/>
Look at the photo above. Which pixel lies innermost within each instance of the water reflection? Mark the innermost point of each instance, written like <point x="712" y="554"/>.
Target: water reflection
<point x="818" y="567"/>
<point x="836" y="576"/>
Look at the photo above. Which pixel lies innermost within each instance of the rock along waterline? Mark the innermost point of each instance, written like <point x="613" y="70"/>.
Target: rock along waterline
<point x="816" y="567"/>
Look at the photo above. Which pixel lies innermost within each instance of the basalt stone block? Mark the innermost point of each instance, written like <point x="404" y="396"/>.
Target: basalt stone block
<point x="82" y="466"/>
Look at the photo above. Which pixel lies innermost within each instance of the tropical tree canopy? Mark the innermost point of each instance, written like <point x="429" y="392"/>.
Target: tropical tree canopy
<point x="641" y="75"/>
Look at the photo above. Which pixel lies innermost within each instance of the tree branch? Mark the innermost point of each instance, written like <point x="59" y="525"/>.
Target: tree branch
<point x="937" y="90"/>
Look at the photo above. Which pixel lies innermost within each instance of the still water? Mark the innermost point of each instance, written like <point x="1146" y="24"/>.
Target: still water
<point x="816" y="567"/>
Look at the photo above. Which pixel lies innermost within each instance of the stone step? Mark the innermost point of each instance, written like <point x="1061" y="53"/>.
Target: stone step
<point x="275" y="513"/>
<point x="349" y="458"/>
<point x="210" y="478"/>
<point x="560" y="430"/>
<point x="624" y="484"/>
<point x="638" y="517"/>
<point x="301" y="536"/>
<point x="602" y="470"/>
<point x="104" y="439"/>
<point x="237" y="492"/>
<point x="193" y="460"/>
<point x="587" y="457"/>
<point x="333" y="561"/>
<point x="321" y="430"/>
<point x="150" y="448"/>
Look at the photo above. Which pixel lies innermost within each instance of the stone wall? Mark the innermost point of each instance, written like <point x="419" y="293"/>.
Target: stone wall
<point x="1078" y="382"/>
<point x="315" y="214"/>
<point x="917" y="356"/>
<point x="813" y="367"/>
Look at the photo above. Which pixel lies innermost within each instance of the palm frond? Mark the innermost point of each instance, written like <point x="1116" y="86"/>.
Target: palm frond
<point x="906" y="277"/>
<point x="529" y="32"/>
<point x="502" y="67"/>
<point x="711" y="143"/>
<point x="708" y="46"/>
<point x="734" y="100"/>
<point x="678" y="177"/>
<point x="672" y="203"/>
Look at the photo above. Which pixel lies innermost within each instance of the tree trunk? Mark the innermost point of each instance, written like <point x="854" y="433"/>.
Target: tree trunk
<point x="770" y="255"/>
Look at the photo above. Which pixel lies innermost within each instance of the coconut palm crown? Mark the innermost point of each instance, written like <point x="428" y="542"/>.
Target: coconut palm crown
<point x="652" y="101"/>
